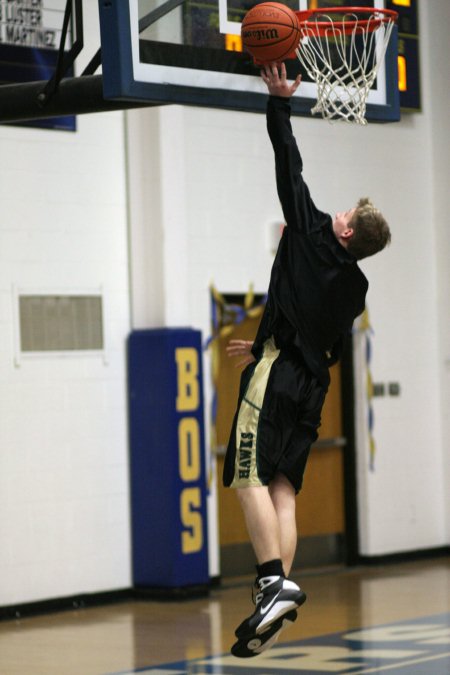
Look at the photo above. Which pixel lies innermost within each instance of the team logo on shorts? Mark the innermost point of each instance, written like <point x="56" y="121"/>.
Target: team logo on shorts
<point x="245" y="454"/>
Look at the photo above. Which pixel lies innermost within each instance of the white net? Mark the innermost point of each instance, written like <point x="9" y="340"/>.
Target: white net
<point x="343" y="57"/>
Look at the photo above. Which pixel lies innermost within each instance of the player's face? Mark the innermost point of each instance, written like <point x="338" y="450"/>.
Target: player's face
<point x="341" y="222"/>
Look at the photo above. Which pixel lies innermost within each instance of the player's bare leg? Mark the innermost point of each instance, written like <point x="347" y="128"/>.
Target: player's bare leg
<point x="262" y="522"/>
<point x="269" y="515"/>
<point x="282" y="495"/>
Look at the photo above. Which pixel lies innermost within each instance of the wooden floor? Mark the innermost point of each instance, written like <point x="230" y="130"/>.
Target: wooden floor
<point x="195" y="636"/>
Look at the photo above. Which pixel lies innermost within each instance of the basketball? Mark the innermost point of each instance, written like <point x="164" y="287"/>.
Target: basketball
<point x="270" y="32"/>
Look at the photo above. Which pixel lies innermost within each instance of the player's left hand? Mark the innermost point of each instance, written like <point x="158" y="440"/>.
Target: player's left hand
<point x="241" y="348"/>
<point x="275" y="77"/>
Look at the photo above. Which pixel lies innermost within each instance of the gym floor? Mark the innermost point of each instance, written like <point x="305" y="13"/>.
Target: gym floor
<point x="391" y="619"/>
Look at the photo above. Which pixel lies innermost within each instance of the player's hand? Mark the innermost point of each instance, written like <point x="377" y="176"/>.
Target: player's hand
<point x="276" y="80"/>
<point x="241" y="348"/>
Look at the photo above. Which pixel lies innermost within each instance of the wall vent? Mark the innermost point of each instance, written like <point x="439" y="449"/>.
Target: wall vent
<point x="60" y="323"/>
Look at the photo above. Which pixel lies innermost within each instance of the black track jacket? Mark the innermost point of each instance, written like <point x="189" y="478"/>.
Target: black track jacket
<point x="316" y="288"/>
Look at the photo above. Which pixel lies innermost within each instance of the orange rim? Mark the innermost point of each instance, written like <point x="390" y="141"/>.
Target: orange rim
<point x="321" y="28"/>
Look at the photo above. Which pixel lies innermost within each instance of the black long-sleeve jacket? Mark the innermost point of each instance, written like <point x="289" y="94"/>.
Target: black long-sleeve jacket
<point x="316" y="288"/>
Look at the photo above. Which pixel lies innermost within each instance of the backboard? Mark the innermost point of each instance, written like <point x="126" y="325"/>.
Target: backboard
<point x="193" y="55"/>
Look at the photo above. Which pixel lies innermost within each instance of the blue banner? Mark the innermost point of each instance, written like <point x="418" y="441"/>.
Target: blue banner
<point x="168" y="476"/>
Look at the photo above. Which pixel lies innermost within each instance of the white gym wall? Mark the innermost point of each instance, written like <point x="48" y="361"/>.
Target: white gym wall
<point x="64" y="514"/>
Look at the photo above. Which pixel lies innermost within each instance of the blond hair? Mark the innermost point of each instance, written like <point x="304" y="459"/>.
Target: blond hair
<point x="371" y="232"/>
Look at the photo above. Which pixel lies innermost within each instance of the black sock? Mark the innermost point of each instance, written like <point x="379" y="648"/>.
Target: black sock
<point x="270" y="568"/>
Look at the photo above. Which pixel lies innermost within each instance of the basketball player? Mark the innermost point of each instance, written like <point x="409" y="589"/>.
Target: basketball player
<point x="316" y="291"/>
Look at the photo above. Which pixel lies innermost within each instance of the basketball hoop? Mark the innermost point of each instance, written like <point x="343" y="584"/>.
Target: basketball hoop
<point x="341" y="49"/>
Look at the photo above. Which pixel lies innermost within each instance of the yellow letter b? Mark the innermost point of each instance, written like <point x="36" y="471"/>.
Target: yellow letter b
<point x="187" y="372"/>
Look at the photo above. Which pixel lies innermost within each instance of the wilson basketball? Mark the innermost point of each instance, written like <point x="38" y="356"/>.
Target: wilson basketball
<point x="270" y="32"/>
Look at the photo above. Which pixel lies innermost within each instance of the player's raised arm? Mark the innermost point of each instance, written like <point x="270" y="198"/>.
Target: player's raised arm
<point x="292" y="191"/>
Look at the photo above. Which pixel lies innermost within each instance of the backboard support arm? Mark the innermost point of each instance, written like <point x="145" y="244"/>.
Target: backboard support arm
<point x="65" y="60"/>
<point x="75" y="96"/>
<point x="62" y="96"/>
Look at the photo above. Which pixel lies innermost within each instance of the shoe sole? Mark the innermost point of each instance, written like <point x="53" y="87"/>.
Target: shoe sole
<point x="257" y="644"/>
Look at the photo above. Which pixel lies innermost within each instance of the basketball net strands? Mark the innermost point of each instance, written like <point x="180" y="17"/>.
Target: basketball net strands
<point x="342" y="49"/>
